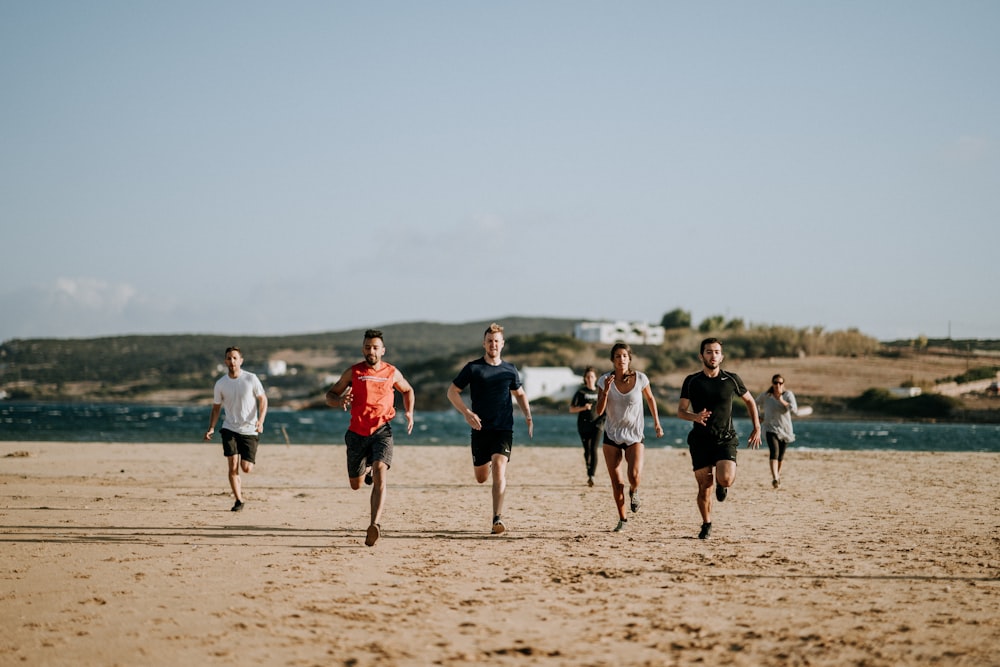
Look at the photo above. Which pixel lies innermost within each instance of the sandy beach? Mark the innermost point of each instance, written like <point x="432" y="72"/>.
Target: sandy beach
<point x="127" y="554"/>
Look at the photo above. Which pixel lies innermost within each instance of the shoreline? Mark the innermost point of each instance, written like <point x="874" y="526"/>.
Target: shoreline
<point x="835" y="410"/>
<point x="126" y="553"/>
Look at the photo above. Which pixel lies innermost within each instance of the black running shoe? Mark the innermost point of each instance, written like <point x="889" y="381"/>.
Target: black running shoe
<point x="720" y="492"/>
<point x="368" y="478"/>
<point x="706" y="530"/>
<point x="498" y="526"/>
<point x="238" y="507"/>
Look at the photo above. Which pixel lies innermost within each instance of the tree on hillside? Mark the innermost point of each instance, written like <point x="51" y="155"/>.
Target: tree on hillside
<point x="676" y="319"/>
<point x="712" y="323"/>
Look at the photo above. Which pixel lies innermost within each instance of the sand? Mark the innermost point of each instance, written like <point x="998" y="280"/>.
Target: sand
<point x="127" y="554"/>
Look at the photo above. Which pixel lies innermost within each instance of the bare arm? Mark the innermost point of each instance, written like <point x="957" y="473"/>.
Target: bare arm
<point x="213" y="418"/>
<point x="754" y="441"/>
<point x="455" y="397"/>
<point x="647" y="391"/>
<point x="522" y="402"/>
<point x="409" y="399"/>
<point x="684" y="412"/>
<point x="339" y="396"/>
<point x="602" y="395"/>
<point x="261" y="411"/>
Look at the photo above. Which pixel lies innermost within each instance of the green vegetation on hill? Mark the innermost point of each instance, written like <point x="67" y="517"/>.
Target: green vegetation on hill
<point x="184" y="367"/>
<point x="130" y="367"/>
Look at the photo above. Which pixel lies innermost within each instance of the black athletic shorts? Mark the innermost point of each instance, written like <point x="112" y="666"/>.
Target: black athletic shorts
<point x="234" y="443"/>
<point x="706" y="452"/>
<point x="487" y="443"/>
<point x="620" y="445"/>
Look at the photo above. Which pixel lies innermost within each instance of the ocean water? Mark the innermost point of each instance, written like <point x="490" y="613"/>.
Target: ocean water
<point x="102" y="422"/>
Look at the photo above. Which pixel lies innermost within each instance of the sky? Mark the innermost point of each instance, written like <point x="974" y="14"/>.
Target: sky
<point x="299" y="167"/>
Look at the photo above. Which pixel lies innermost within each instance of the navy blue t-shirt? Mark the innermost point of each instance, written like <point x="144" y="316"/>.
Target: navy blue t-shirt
<point x="490" y="388"/>
<point x="717" y="395"/>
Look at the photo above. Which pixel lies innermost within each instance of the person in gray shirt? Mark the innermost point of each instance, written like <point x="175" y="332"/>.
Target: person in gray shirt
<point x="777" y="405"/>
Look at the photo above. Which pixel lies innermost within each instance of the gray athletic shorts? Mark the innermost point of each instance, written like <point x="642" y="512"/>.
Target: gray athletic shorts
<point x="363" y="450"/>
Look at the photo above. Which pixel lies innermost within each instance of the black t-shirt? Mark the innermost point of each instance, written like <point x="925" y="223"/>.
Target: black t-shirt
<point x="587" y="420"/>
<point x="490" y="388"/>
<point x="715" y="394"/>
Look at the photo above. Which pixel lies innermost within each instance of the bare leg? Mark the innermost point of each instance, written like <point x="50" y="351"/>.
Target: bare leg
<point x="634" y="457"/>
<point x="725" y="473"/>
<point x="379" y="474"/>
<point x="499" y="464"/>
<point x="234" y="476"/>
<point x="613" y="459"/>
<point x="706" y="480"/>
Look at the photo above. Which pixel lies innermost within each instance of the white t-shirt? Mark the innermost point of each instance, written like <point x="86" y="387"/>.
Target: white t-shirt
<point x="238" y="396"/>
<point x="625" y="420"/>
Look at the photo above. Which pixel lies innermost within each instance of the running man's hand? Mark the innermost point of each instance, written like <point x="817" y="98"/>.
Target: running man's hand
<point x="702" y="418"/>
<point x="472" y="419"/>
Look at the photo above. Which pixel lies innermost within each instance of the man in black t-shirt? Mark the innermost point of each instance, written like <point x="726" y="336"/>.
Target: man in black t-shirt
<point x="707" y="401"/>
<point x="492" y="383"/>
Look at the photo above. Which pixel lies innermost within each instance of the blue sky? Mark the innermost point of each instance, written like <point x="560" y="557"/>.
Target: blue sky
<point x="270" y="168"/>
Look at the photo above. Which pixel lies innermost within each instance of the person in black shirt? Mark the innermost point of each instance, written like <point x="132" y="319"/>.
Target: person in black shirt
<point x="492" y="383"/>
<point x="589" y="424"/>
<point x="707" y="400"/>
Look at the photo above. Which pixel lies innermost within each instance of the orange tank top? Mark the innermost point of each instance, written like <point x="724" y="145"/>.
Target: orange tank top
<point x="372" y="397"/>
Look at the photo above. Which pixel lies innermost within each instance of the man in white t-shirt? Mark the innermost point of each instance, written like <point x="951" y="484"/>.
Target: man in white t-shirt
<point x="243" y="396"/>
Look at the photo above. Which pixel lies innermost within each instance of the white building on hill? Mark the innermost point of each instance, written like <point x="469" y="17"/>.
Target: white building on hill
<point x="633" y="333"/>
<point x="555" y="382"/>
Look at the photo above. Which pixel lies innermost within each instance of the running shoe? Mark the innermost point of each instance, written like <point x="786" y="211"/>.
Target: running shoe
<point x="238" y="507"/>
<point x="622" y="523"/>
<point x="498" y="526"/>
<point x="706" y="530"/>
<point x="720" y="492"/>
<point x="374" y="532"/>
<point x="776" y="483"/>
<point x="634" y="498"/>
<point x="368" y="477"/>
<point x="590" y="481"/>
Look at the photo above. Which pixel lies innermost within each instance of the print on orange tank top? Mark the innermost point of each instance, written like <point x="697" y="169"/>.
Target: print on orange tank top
<point x="372" y="397"/>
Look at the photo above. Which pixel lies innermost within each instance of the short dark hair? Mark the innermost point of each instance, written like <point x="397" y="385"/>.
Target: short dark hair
<point x="374" y="333"/>
<point x="709" y="341"/>
<point x="233" y="348"/>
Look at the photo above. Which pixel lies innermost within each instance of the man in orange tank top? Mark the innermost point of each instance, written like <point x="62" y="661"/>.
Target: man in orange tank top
<point x="367" y="390"/>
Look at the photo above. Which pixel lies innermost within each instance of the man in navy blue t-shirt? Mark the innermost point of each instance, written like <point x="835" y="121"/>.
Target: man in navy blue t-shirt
<point x="492" y="382"/>
<point x="707" y="401"/>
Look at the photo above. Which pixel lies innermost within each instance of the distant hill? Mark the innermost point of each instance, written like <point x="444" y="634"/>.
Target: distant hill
<point x="825" y="368"/>
<point x="143" y="367"/>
